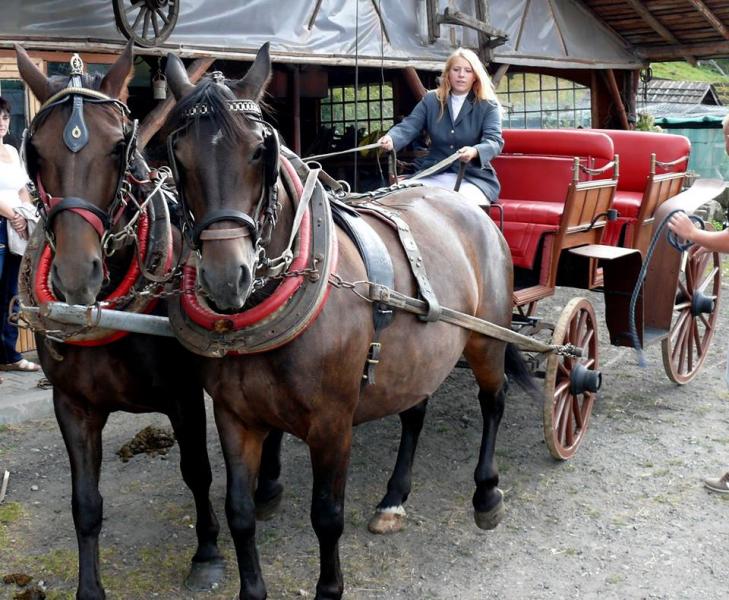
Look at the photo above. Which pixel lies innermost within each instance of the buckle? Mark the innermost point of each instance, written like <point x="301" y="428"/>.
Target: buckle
<point x="373" y="355"/>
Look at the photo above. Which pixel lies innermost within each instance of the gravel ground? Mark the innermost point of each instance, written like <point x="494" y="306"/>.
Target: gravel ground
<point x="627" y="517"/>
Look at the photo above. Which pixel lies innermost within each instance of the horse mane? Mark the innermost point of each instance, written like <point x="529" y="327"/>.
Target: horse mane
<point x="216" y="98"/>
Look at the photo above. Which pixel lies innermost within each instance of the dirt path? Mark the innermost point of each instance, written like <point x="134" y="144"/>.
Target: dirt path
<point x="626" y="518"/>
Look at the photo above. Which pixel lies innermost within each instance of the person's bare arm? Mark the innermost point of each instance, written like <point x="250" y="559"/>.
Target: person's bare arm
<point x="713" y="241"/>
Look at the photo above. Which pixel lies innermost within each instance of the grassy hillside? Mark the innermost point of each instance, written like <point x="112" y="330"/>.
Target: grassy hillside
<point x="682" y="71"/>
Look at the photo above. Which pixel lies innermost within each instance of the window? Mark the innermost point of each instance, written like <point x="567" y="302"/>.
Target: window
<point x="533" y="100"/>
<point x="374" y="108"/>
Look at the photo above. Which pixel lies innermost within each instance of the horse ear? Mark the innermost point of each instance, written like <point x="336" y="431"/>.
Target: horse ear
<point x="254" y="83"/>
<point x="115" y="81"/>
<point x="177" y="77"/>
<point x="32" y="75"/>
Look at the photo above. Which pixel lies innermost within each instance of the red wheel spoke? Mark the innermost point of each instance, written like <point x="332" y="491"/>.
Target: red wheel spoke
<point x="584" y="342"/>
<point x="682" y="288"/>
<point x="569" y="437"/>
<point x="577" y="412"/>
<point x="678" y="328"/>
<point x="589" y="363"/>
<point x="707" y="280"/>
<point x="564" y="371"/>
<point x="699" y="342"/>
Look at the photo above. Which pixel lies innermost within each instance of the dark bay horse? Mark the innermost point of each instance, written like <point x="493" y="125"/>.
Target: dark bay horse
<point x="137" y="373"/>
<point x="223" y="154"/>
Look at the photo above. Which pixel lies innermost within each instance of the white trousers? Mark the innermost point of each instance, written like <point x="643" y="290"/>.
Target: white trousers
<point x="447" y="181"/>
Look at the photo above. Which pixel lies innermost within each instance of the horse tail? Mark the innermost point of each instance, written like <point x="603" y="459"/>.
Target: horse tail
<point x="517" y="371"/>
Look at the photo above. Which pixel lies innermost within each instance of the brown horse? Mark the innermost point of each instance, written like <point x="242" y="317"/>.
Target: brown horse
<point x="311" y="386"/>
<point x="137" y="373"/>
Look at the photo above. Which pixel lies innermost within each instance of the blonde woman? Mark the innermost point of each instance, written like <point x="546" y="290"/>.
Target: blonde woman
<point x="463" y="115"/>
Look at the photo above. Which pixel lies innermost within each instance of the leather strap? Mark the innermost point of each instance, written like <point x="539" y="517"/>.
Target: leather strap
<point x="379" y="268"/>
<point x="415" y="260"/>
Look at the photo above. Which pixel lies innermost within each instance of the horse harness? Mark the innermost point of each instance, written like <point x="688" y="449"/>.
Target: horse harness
<point x="76" y="136"/>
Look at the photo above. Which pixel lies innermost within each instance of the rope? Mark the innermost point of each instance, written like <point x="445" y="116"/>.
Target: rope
<point x="675" y="242"/>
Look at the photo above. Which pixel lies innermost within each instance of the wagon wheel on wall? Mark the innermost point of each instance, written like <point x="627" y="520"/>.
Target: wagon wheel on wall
<point x="147" y="22"/>
<point x="571" y="384"/>
<point x="695" y="311"/>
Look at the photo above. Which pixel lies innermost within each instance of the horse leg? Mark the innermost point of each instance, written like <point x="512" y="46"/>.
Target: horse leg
<point x="207" y="567"/>
<point x="269" y="490"/>
<point x="488" y="499"/>
<point x="329" y="459"/>
<point x="390" y="514"/>
<point x="81" y="429"/>
<point x="242" y="452"/>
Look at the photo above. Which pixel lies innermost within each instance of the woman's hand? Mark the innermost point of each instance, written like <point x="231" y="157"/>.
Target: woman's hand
<point x="467" y="153"/>
<point x="385" y="143"/>
<point x="18" y="222"/>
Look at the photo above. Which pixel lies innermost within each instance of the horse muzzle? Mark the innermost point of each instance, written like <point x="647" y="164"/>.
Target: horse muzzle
<point x="227" y="283"/>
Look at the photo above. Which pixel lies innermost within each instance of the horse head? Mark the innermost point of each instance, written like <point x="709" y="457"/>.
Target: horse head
<point x="225" y="161"/>
<point x="78" y="149"/>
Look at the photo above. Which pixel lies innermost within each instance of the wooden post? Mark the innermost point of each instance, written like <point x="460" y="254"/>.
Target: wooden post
<point x="617" y="99"/>
<point x="156" y="117"/>
<point x="411" y="77"/>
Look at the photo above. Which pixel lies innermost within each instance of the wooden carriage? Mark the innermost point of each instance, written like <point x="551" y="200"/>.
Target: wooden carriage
<point x="578" y="208"/>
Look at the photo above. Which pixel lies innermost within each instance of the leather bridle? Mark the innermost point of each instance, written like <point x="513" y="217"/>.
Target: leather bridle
<point x="76" y="136"/>
<point x="259" y="225"/>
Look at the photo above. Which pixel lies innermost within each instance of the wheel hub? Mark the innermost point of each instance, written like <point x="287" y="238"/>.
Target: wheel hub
<point x="584" y="380"/>
<point x="702" y="304"/>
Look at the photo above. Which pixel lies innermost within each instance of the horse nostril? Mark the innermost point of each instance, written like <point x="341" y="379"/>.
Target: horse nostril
<point x="245" y="278"/>
<point x="97" y="271"/>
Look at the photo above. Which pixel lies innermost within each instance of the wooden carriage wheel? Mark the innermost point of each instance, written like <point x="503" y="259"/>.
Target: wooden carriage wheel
<point x="567" y="383"/>
<point x="147" y="22"/>
<point x="694" y="316"/>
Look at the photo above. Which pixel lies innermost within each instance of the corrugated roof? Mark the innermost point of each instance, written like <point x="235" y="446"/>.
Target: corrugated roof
<point x="663" y="91"/>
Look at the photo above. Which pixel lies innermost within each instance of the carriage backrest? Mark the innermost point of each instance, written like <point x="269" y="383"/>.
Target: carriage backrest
<point x="635" y="149"/>
<point x="538" y="164"/>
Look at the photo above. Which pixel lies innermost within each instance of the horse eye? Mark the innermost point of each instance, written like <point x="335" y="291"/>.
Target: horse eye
<point x="258" y="153"/>
<point x="118" y="150"/>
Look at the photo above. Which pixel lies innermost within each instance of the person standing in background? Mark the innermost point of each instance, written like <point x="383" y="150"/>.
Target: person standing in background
<point x="709" y="241"/>
<point x="12" y="193"/>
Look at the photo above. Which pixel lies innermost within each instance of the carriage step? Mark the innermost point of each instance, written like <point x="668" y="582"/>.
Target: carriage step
<point x="532" y="294"/>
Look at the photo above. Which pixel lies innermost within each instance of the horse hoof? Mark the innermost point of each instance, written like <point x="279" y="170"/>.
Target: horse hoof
<point x="388" y="521"/>
<point x="266" y="509"/>
<point x="491" y="518"/>
<point x="205" y="576"/>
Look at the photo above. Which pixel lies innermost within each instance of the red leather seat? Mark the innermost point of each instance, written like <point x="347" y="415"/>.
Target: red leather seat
<point x="535" y="170"/>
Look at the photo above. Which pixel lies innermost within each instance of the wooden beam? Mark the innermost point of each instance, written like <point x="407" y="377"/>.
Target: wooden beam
<point x="711" y="18"/>
<point x="658" y="27"/>
<point x="157" y="116"/>
<point x="659" y="53"/>
<point x="314" y="15"/>
<point x="455" y="17"/>
<point x="499" y="75"/>
<point x="416" y="86"/>
<point x="612" y="84"/>
<point x="386" y="35"/>
<point x="482" y="14"/>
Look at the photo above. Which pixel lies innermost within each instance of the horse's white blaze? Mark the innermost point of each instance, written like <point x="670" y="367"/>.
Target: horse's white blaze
<point x="217" y="137"/>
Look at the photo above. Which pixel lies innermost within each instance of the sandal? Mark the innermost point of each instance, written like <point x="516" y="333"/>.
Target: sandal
<point x="21" y="365"/>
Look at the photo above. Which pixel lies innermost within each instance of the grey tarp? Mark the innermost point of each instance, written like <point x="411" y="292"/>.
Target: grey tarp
<point x="551" y="33"/>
